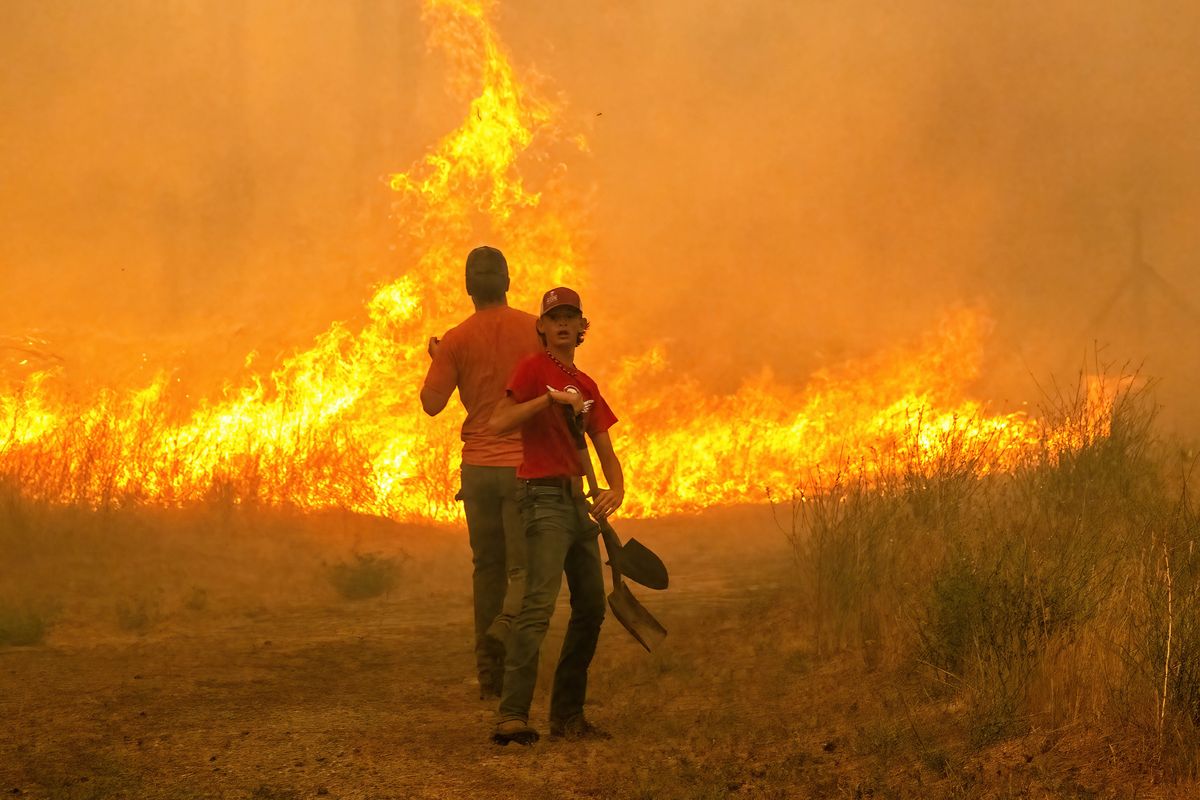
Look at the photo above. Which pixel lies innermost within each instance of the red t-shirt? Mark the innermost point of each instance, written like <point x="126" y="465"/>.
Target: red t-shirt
<point x="546" y="442"/>
<point x="477" y="357"/>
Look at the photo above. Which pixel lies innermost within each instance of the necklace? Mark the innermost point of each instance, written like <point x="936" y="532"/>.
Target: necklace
<point x="569" y="370"/>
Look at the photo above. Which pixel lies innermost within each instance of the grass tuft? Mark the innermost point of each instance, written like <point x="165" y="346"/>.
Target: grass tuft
<point x="196" y="599"/>
<point x="21" y="625"/>
<point x="367" y="575"/>
<point x="138" y="613"/>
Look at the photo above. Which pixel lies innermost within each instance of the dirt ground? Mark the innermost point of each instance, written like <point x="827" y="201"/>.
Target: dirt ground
<point x="209" y="656"/>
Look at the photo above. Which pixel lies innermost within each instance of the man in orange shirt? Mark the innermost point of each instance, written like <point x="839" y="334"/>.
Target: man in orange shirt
<point x="476" y="357"/>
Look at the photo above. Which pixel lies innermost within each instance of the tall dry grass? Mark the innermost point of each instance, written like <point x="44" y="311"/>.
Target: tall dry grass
<point x="139" y="449"/>
<point x="1065" y="592"/>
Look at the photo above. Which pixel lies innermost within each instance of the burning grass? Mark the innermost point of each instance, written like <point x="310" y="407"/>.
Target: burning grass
<point x="336" y="424"/>
<point x="336" y="427"/>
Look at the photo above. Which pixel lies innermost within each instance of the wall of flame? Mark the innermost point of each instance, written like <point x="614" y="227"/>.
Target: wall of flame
<point x="338" y="424"/>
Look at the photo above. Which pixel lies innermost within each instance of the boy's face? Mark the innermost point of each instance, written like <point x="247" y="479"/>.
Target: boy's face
<point x="561" y="326"/>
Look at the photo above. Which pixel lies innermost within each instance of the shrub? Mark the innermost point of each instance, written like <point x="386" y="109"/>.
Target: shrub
<point x="21" y="625"/>
<point x="368" y="575"/>
<point x="196" y="599"/>
<point x="138" y="613"/>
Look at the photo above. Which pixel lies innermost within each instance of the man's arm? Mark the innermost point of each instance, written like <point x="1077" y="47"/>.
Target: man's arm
<point x="510" y="415"/>
<point x="441" y="379"/>
<point x="606" y="501"/>
<point x="433" y="401"/>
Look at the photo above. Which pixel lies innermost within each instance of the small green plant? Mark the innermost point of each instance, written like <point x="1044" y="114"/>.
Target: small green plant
<point x="196" y="599"/>
<point x="138" y="614"/>
<point x="367" y="575"/>
<point x="936" y="760"/>
<point x="882" y="740"/>
<point x="21" y="625"/>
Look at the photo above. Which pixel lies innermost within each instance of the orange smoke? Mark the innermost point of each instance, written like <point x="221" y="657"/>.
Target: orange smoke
<point x="338" y="424"/>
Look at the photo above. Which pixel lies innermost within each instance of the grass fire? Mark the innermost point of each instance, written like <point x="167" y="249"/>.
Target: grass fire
<point x="906" y="559"/>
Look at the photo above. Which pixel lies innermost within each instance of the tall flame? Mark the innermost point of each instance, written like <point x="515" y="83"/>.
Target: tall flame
<point x="338" y="424"/>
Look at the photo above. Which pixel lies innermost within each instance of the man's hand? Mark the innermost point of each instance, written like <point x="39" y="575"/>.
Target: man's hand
<point x="606" y="501"/>
<point x="572" y="399"/>
<point x="433" y="345"/>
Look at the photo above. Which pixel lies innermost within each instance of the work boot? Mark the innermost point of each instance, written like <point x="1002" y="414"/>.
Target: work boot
<point x="514" y="730"/>
<point x="576" y="727"/>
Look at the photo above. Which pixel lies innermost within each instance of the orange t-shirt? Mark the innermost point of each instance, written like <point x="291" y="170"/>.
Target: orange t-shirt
<point x="477" y="357"/>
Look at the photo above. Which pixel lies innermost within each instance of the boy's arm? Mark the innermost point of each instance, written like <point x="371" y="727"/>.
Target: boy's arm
<point x="510" y="415"/>
<point x="606" y="501"/>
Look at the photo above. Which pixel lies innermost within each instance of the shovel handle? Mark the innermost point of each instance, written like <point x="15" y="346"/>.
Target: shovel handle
<point x="612" y="542"/>
<point x="575" y="426"/>
<point x="589" y="472"/>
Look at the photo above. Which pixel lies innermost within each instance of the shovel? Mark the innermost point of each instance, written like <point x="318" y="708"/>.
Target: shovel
<point x="634" y="560"/>
<point x="640" y="623"/>
<point x="632" y="615"/>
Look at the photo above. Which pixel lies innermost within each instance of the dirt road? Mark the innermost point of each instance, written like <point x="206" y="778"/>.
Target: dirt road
<point x="228" y="667"/>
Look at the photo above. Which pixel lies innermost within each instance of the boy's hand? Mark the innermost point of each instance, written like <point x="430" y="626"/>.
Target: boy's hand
<point x="607" y="501"/>
<point x="433" y="345"/>
<point x="572" y="399"/>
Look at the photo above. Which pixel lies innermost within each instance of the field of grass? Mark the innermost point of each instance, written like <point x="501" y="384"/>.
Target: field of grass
<point x="934" y="635"/>
<point x="1061" y="597"/>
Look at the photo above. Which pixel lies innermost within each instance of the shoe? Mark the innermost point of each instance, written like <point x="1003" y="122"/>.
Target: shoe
<point x="488" y="691"/>
<point x="514" y="730"/>
<point x="576" y="727"/>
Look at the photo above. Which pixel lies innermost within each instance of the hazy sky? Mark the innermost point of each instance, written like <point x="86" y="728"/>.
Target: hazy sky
<point x="776" y="183"/>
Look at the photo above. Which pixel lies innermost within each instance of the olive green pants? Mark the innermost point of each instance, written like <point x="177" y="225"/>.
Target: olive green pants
<point x="497" y="537"/>
<point x="560" y="539"/>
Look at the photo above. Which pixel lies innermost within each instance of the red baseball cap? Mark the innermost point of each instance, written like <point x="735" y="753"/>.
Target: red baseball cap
<point x="561" y="296"/>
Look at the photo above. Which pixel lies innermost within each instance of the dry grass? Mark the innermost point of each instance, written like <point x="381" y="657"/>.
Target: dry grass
<point x="1062" y="595"/>
<point x="939" y="635"/>
<point x="275" y="686"/>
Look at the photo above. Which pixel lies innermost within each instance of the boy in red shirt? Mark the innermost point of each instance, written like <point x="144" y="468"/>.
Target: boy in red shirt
<point x="560" y="536"/>
<point x="476" y="357"/>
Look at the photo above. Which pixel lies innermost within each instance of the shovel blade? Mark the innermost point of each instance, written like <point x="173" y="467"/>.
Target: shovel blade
<point x="633" y="559"/>
<point x="641" y="565"/>
<point x="640" y="623"/>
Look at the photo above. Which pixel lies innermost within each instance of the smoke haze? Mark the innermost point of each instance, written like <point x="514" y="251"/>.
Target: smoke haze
<point x="769" y="184"/>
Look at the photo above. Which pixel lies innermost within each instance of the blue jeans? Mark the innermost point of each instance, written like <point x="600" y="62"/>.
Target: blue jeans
<point x="560" y="538"/>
